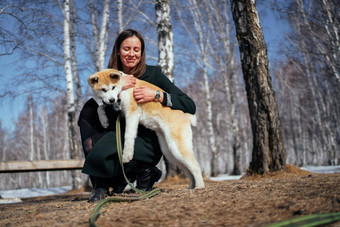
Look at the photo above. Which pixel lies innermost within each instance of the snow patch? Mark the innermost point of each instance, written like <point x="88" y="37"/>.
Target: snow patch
<point x="32" y="192"/>
<point x="313" y="169"/>
<point x="322" y="169"/>
<point x="224" y="177"/>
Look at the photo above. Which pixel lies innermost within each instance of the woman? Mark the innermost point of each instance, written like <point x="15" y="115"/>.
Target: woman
<point x="128" y="55"/>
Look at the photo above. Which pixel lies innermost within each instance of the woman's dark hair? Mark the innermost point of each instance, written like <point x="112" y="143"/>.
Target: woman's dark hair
<point x="115" y="61"/>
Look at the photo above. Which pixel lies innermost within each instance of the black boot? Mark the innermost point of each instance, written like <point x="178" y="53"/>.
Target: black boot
<point x="146" y="178"/>
<point x="119" y="188"/>
<point x="98" y="194"/>
<point x="100" y="189"/>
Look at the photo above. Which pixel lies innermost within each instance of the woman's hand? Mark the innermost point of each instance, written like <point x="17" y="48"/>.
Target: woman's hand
<point x="129" y="81"/>
<point x="144" y="94"/>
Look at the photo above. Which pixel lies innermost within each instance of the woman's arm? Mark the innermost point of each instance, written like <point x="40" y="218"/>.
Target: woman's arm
<point x="174" y="97"/>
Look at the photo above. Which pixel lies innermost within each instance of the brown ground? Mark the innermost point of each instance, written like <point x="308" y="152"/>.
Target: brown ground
<point x="251" y="201"/>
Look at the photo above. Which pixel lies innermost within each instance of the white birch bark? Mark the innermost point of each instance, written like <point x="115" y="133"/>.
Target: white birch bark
<point x="40" y="174"/>
<point x="31" y="119"/>
<point x="67" y="58"/>
<point x="78" y="98"/>
<point x="332" y="60"/>
<point x="100" y="34"/>
<point x="120" y="15"/>
<point x="73" y="141"/>
<point x="165" y="56"/>
<point x="203" y="38"/>
<point x="226" y="62"/>
<point x="165" y="38"/>
<point x="44" y="126"/>
<point x="3" y="143"/>
<point x="332" y="32"/>
<point x="319" y="104"/>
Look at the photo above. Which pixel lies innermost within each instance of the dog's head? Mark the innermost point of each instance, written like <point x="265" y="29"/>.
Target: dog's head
<point x="106" y="85"/>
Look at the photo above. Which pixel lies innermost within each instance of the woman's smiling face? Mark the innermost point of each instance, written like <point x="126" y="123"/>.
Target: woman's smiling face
<point x="130" y="52"/>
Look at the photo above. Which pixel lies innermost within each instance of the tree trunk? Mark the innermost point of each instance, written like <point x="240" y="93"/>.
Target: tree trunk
<point x="165" y="40"/>
<point x="120" y="15"/>
<point x="320" y="106"/>
<point x="166" y="58"/>
<point x="268" y="151"/>
<point x="44" y="126"/>
<point x="202" y="48"/>
<point x="78" y="99"/>
<point x="71" y="111"/>
<point x="332" y="31"/>
<point x="100" y="36"/>
<point x="103" y="35"/>
<point x="220" y="25"/>
<point x="30" y="106"/>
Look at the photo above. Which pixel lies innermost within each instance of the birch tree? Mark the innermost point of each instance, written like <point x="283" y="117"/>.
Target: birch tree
<point x="100" y="34"/>
<point x="304" y="24"/>
<point x="313" y="50"/>
<point x="120" y="15"/>
<point x="268" y="150"/>
<point x="31" y="127"/>
<point x="78" y="99"/>
<point x="224" y="56"/>
<point x="165" y="56"/>
<point x="45" y="138"/>
<point x="130" y="15"/>
<point x="203" y="48"/>
<point x="332" y="31"/>
<point x="71" y="111"/>
<point x="165" y="38"/>
<point x="3" y="144"/>
<point x="200" y="41"/>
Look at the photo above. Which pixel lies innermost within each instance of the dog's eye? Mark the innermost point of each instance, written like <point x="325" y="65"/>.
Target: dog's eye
<point x="103" y="89"/>
<point x="113" y="87"/>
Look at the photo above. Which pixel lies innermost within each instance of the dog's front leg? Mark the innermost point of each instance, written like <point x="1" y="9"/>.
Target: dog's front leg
<point x="104" y="121"/>
<point x="130" y="135"/>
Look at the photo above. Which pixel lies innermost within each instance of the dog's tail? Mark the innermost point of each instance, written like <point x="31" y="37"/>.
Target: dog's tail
<point x="193" y="119"/>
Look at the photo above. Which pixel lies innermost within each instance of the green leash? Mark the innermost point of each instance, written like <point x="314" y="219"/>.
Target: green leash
<point x="145" y="195"/>
<point x="309" y="220"/>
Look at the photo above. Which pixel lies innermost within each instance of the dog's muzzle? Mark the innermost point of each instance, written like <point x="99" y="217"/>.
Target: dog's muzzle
<point x="115" y="105"/>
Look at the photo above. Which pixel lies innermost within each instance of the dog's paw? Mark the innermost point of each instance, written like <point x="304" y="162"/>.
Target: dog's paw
<point x="105" y="123"/>
<point x="127" y="157"/>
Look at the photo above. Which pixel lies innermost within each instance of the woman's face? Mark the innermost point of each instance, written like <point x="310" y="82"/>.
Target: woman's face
<point x="130" y="52"/>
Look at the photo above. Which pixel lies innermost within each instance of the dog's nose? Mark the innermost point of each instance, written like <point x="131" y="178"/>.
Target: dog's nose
<point x="111" y="100"/>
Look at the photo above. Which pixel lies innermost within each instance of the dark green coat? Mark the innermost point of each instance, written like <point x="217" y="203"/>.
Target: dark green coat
<point x="102" y="160"/>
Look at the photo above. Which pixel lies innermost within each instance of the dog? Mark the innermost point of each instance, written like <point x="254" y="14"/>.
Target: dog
<point x="173" y="127"/>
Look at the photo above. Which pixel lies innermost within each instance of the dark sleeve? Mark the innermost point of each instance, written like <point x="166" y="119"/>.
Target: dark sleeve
<point x="180" y="101"/>
<point x="88" y="121"/>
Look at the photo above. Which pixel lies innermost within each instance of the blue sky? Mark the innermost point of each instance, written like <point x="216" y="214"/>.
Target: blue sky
<point x="273" y="29"/>
<point x="9" y="107"/>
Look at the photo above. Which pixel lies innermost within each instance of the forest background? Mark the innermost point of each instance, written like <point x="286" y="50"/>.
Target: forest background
<point x="305" y="73"/>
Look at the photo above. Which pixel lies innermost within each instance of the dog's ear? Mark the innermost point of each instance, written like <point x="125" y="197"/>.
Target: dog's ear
<point x="115" y="75"/>
<point x="92" y="80"/>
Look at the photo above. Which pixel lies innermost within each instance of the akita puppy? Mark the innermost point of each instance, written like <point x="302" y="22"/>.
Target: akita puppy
<point x="173" y="127"/>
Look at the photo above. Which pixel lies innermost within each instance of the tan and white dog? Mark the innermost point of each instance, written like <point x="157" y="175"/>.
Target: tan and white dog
<point x="173" y="127"/>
